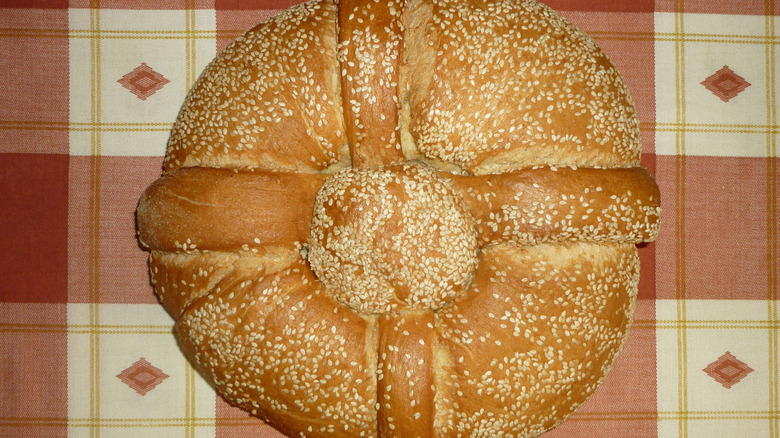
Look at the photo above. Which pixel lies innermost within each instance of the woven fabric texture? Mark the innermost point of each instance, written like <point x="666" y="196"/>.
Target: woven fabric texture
<point x="88" y="93"/>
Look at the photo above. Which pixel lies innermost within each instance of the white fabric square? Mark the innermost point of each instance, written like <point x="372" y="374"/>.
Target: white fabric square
<point x="709" y="84"/>
<point x="728" y="427"/>
<point x="721" y="351"/>
<point x="142" y="65"/>
<point x="126" y="374"/>
<point x="711" y="141"/>
<point x="711" y="428"/>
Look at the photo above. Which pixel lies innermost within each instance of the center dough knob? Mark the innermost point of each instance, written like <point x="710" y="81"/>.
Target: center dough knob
<point x="392" y="238"/>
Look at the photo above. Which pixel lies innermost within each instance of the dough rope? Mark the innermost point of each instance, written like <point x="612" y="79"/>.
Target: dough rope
<point x="403" y="218"/>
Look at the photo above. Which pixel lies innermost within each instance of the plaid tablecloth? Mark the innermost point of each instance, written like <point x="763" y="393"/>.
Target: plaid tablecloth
<point x="88" y="92"/>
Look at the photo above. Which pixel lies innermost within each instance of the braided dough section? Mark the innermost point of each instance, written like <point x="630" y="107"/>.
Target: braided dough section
<point x="181" y="278"/>
<point x="270" y="100"/>
<point x="281" y="348"/>
<point x="369" y="53"/>
<point x="549" y="204"/>
<point x="534" y="338"/>
<point x="215" y="209"/>
<point x="497" y="86"/>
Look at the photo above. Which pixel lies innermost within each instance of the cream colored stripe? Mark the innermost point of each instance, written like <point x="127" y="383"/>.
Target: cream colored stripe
<point x="710" y="325"/>
<point x="682" y="353"/>
<point x="718" y="415"/>
<point x="165" y="127"/>
<point x="35" y="125"/>
<point x="94" y="230"/>
<point x="687" y="38"/>
<point x="192" y="72"/>
<point x="108" y="34"/>
<point x="189" y="402"/>
<point x="771" y="190"/>
<point x="189" y="24"/>
<point x="713" y="127"/>
<point x="87" y="329"/>
<point x="225" y="33"/>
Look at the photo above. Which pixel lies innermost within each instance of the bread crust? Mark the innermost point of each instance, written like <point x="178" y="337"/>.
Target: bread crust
<point x="275" y="86"/>
<point x="370" y="41"/>
<point x="406" y="384"/>
<point x="550" y="204"/>
<point x="498" y="119"/>
<point x="216" y="209"/>
<point x="514" y="85"/>
<point x="519" y="345"/>
<point x="281" y="348"/>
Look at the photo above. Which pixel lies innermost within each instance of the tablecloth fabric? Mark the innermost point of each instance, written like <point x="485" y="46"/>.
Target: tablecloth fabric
<point x="88" y="92"/>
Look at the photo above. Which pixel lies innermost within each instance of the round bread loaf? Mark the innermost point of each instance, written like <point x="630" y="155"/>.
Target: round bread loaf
<point x="403" y="219"/>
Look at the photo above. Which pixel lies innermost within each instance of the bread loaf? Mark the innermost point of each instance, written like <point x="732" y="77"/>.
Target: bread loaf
<point x="403" y="218"/>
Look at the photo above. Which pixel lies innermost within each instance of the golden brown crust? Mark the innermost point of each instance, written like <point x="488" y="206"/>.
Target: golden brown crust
<point x="179" y="278"/>
<point x="513" y="86"/>
<point x="405" y="379"/>
<point x="211" y="209"/>
<point x="479" y="158"/>
<point x="274" y="87"/>
<point x="370" y="42"/>
<point x="550" y="204"/>
<point x="535" y="336"/>
<point x="282" y="349"/>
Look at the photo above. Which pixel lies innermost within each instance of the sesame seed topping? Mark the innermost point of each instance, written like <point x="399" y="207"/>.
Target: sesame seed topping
<point x="392" y="239"/>
<point x="470" y="266"/>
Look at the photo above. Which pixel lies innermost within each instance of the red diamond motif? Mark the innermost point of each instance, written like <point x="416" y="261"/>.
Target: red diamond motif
<point x="728" y="370"/>
<point x="143" y="81"/>
<point x="142" y="376"/>
<point x="726" y="84"/>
